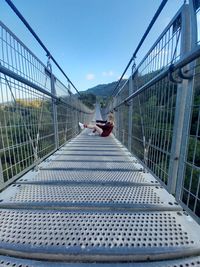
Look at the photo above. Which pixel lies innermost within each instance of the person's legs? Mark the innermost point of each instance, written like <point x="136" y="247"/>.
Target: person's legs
<point x="95" y="127"/>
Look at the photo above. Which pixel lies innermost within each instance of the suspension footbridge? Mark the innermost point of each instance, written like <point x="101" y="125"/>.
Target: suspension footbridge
<point x="130" y="199"/>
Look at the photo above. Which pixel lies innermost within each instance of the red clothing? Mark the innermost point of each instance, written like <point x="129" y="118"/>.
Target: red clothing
<point x="107" y="128"/>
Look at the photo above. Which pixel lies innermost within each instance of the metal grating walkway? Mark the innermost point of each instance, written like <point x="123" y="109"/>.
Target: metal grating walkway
<point x="91" y="203"/>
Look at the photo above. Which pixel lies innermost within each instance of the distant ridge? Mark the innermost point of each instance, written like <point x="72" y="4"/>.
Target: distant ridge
<point x="103" y="90"/>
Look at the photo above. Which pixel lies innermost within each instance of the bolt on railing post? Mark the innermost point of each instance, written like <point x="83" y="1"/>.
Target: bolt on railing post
<point x="183" y="96"/>
<point x="54" y="109"/>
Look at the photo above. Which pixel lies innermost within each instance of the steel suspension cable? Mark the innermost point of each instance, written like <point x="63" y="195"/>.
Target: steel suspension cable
<point x="141" y="41"/>
<point x="13" y="7"/>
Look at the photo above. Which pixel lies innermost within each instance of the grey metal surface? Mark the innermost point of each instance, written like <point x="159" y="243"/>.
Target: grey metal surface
<point x="14" y="262"/>
<point x="94" y="176"/>
<point x="95" y="235"/>
<point x="89" y="196"/>
<point x="59" y="214"/>
<point x="94" y="165"/>
<point x="93" y="152"/>
<point x="90" y="166"/>
<point x="184" y="97"/>
<point x="188" y="182"/>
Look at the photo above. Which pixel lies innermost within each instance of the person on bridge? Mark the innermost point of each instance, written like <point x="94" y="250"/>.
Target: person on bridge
<point x="103" y="129"/>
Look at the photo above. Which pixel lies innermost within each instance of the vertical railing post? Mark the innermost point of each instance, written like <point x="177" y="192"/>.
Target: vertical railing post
<point x="73" y="115"/>
<point x="75" y="127"/>
<point x="130" y="114"/>
<point x="1" y="176"/>
<point x="118" y="117"/>
<point x="183" y="98"/>
<point x="109" y="108"/>
<point x="186" y="127"/>
<point x="54" y="109"/>
<point x="123" y="136"/>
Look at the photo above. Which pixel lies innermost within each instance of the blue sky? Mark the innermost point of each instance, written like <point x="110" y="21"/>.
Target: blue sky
<point x="92" y="40"/>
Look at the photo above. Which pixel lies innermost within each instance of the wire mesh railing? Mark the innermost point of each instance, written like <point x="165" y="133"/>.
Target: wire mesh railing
<point x="16" y="57"/>
<point x="189" y="172"/>
<point x="38" y="113"/>
<point x="159" y="118"/>
<point x="164" y="52"/>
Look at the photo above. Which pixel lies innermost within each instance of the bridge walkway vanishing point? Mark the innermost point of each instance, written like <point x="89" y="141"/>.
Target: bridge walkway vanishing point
<point x="92" y="202"/>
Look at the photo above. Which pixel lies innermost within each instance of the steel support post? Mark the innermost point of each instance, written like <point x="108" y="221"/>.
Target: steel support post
<point x="123" y="137"/>
<point x="181" y="112"/>
<point x="118" y="118"/>
<point x="130" y="114"/>
<point x="111" y="108"/>
<point x="77" y="129"/>
<point x="54" y="109"/>
<point x="2" y="184"/>
<point x="188" y="109"/>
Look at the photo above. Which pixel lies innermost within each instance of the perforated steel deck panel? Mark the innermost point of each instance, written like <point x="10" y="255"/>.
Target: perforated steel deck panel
<point x="14" y="262"/>
<point x="89" y="176"/>
<point x="93" y="196"/>
<point x="97" y="236"/>
<point x="92" y="202"/>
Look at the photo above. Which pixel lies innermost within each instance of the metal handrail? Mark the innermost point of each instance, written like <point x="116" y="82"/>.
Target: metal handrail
<point x="187" y="58"/>
<point x="35" y="86"/>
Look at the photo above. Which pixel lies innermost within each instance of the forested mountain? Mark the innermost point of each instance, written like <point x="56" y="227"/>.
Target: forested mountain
<point x="104" y="90"/>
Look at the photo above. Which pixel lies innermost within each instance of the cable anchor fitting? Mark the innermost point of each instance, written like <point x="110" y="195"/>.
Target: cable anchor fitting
<point x="184" y="74"/>
<point x="170" y="75"/>
<point x="126" y="103"/>
<point x="49" y="67"/>
<point x="133" y="66"/>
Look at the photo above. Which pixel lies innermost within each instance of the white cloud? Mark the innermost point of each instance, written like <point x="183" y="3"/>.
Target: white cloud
<point x="124" y="78"/>
<point x="90" y="76"/>
<point x="108" y="73"/>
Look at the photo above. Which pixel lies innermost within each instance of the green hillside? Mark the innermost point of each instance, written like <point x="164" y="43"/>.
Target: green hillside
<point x="104" y="90"/>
